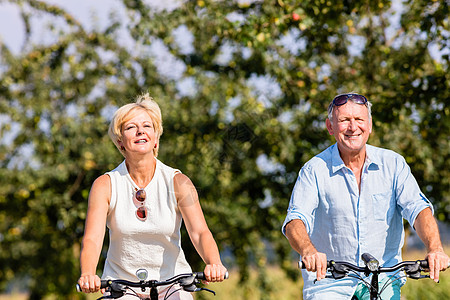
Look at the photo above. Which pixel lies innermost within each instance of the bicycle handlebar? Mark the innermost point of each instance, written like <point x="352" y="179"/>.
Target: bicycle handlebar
<point x="201" y="275"/>
<point x="341" y="269"/>
<point x="422" y="263"/>
<point x="188" y="278"/>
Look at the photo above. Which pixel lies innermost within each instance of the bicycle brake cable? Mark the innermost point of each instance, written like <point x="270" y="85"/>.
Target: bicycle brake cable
<point x="173" y="292"/>
<point x="391" y="281"/>
<point x="167" y="295"/>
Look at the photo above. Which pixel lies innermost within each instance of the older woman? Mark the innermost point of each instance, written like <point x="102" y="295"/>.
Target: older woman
<point x="143" y="202"/>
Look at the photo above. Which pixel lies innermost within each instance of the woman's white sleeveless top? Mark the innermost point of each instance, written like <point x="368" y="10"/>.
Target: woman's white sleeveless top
<point x="153" y="244"/>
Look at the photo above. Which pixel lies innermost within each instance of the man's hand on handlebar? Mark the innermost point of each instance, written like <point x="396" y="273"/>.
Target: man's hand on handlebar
<point x="437" y="261"/>
<point x="316" y="262"/>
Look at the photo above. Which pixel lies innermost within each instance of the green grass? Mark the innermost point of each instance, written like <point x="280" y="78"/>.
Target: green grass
<point x="281" y="287"/>
<point x="428" y="289"/>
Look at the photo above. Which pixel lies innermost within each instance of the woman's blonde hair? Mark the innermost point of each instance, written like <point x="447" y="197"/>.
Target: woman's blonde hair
<point x="125" y="113"/>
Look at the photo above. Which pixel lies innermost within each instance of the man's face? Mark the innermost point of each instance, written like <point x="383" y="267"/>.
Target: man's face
<point x="351" y="127"/>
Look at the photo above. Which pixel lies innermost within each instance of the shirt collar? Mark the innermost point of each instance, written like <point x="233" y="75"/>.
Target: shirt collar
<point x="371" y="156"/>
<point x="337" y="163"/>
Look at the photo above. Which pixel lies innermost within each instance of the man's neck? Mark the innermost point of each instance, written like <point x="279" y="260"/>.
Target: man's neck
<point x="354" y="160"/>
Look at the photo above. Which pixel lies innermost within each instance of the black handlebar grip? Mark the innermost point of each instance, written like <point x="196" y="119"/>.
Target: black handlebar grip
<point x="424" y="264"/>
<point x="103" y="284"/>
<point x="301" y="265"/>
<point x="201" y="275"/>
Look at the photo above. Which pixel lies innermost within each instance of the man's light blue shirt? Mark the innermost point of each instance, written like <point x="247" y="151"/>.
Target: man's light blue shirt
<point x="343" y="222"/>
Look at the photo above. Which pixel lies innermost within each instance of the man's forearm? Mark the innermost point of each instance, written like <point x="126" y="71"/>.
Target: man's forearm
<point x="300" y="242"/>
<point x="428" y="231"/>
<point x="299" y="238"/>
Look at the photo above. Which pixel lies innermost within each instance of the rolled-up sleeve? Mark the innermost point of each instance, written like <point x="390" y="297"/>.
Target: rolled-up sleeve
<point x="409" y="196"/>
<point x="304" y="199"/>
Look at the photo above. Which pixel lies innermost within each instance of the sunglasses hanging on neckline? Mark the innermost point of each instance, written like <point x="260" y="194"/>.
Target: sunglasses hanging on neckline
<point x="140" y="196"/>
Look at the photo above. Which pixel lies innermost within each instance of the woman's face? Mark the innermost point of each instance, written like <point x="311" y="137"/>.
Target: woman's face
<point x="138" y="134"/>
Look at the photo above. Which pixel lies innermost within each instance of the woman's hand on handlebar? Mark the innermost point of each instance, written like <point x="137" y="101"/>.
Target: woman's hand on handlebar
<point x="215" y="272"/>
<point x="89" y="283"/>
<point x="316" y="262"/>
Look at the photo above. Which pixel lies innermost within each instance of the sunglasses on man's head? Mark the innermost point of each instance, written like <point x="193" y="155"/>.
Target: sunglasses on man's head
<point x="342" y="99"/>
<point x="141" y="212"/>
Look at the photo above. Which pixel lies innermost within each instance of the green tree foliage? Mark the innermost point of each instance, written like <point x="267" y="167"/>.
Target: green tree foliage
<point x="243" y="105"/>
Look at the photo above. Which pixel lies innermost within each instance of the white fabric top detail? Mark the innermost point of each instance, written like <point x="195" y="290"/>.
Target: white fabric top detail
<point x="153" y="244"/>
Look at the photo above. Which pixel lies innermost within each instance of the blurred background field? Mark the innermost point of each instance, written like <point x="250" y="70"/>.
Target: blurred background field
<point x="285" y="288"/>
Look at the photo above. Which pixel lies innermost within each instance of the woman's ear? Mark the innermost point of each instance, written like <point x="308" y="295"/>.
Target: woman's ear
<point x="119" y="142"/>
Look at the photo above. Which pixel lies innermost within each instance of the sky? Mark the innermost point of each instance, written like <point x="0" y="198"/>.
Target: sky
<point x="95" y="14"/>
<point x="91" y="14"/>
<point x="88" y="12"/>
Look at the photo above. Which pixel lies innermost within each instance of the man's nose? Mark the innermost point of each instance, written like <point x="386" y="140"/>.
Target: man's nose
<point x="352" y="125"/>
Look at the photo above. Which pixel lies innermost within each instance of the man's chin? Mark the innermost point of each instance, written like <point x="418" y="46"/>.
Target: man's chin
<point x="353" y="146"/>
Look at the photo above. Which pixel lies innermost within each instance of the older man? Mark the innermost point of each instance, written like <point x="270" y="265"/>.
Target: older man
<point x="351" y="199"/>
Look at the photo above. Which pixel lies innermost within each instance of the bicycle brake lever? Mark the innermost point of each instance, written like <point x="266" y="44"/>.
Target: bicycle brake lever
<point x="116" y="290"/>
<point x="205" y="289"/>
<point x="337" y="275"/>
<point x="326" y="276"/>
<point x="187" y="281"/>
<point x="190" y="288"/>
<point x="193" y="288"/>
<point x="112" y="296"/>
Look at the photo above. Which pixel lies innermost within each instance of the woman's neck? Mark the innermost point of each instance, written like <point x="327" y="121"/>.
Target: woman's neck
<point x="141" y="170"/>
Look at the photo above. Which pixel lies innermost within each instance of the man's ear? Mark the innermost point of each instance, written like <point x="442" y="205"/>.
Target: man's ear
<point x="329" y="127"/>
